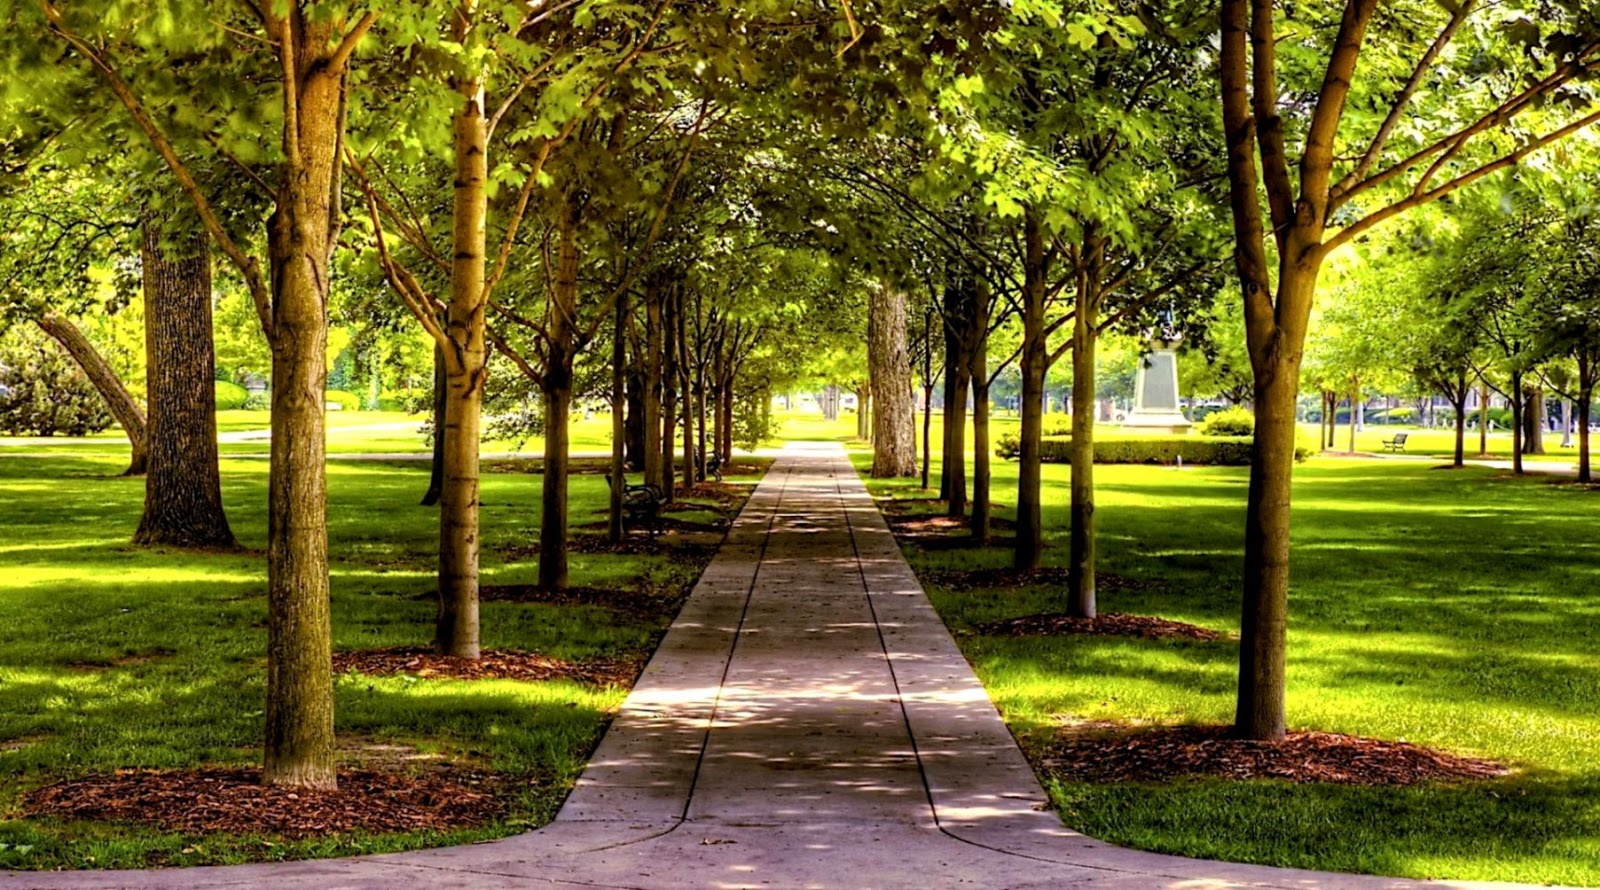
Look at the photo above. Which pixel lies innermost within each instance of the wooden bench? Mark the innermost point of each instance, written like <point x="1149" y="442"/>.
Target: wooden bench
<point x="714" y="466"/>
<point x="1397" y="444"/>
<point x="642" y="504"/>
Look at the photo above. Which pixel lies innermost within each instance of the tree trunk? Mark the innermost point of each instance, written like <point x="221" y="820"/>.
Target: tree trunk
<point x="1355" y="397"/>
<point x="982" y="487"/>
<point x="619" y="432"/>
<point x="1517" y="414"/>
<point x="562" y="346"/>
<point x="1459" y="402"/>
<point x="123" y="408"/>
<point x="1080" y="569"/>
<point x="302" y="235"/>
<point x="1035" y="358"/>
<point x="655" y="386"/>
<point x="1483" y="417"/>
<point x="894" y="439"/>
<point x="1586" y="373"/>
<point x="634" y="426"/>
<point x="1566" y="422"/>
<point x="927" y="433"/>
<point x="456" y="630"/>
<point x="441" y="384"/>
<point x="669" y="391"/>
<point x="183" y="488"/>
<point x="1533" y="418"/>
<point x="864" y="412"/>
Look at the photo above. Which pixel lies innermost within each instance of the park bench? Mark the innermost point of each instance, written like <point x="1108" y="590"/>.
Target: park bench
<point x="642" y="504"/>
<point x="1397" y="444"/>
<point x="713" y="466"/>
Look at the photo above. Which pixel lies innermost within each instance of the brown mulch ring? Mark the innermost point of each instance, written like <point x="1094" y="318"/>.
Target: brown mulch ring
<point x="494" y="664"/>
<point x="637" y="598"/>
<point x="234" y="801"/>
<point x="1100" y="754"/>
<point x="961" y="580"/>
<point x="1111" y="624"/>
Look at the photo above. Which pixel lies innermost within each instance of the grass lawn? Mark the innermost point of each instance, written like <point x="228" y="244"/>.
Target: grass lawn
<point x="1453" y="609"/>
<point x="116" y="657"/>
<point x="1442" y="442"/>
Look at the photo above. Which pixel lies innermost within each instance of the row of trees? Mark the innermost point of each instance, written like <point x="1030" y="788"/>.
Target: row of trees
<point x="672" y="205"/>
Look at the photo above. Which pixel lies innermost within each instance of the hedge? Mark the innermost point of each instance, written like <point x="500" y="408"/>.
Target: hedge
<point x="1228" y="451"/>
<point x="339" y="400"/>
<point x="230" y="396"/>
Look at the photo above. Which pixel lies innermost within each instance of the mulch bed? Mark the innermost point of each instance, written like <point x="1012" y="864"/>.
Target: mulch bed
<point x="234" y="801"/>
<point x="1162" y="755"/>
<point x="495" y="664"/>
<point x="637" y="599"/>
<point x="1111" y="624"/>
<point x="961" y="580"/>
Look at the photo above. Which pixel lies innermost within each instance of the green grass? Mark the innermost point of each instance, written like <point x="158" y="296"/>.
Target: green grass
<point x="79" y="601"/>
<point x="1442" y="442"/>
<point x="1455" y="609"/>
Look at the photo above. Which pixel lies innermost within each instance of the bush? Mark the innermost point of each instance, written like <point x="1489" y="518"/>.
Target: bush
<point x="1500" y="417"/>
<point x="1229" y="422"/>
<point x="339" y="400"/>
<point x="258" y="401"/>
<point x="414" y="401"/>
<point x="231" y="396"/>
<point x="1398" y="415"/>
<point x="43" y="392"/>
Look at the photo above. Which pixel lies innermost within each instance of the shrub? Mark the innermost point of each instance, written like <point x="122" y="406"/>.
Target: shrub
<point x="1228" y="451"/>
<point x="231" y="396"/>
<point x="339" y="400"/>
<point x="1229" y="422"/>
<point x="43" y="392"/>
<point x="1500" y="417"/>
<point x="258" y="401"/>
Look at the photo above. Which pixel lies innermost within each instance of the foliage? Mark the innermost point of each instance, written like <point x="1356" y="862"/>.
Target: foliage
<point x="231" y="396"/>
<point x="258" y="401"/>
<point x="43" y="392"/>
<point x="1234" y="421"/>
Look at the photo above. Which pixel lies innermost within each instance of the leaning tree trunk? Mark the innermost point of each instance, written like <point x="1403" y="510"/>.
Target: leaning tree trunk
<point x="183" y="488"/>
<point x="1035" y="359"/>
<point x="1080" y="566"/>
<point x="123" y="408"/>
<point x="557" y="390"/>
<point x="894" y="439"/>
<point x="436" y="470"/>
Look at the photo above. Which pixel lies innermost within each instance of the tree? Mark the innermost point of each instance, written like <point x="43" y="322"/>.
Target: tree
<point x="894" y="443"/>
<point x="307" y="53"/>
<point x="1385" y="170"/>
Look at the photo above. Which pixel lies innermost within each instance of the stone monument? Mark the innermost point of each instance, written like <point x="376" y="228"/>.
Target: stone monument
<point x="1156" y="407"/>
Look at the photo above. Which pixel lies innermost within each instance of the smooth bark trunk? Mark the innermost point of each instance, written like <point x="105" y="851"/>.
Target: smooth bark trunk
<point x="441" y="383"/>
<point x="1035" y="358"/>
<point x="619" y="404"/>
<point x="1080" y="567"/>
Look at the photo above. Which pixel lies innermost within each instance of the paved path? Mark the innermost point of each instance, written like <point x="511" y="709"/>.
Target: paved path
<point x="808" y="722"/>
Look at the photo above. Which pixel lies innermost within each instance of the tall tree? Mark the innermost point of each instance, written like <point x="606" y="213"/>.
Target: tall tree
<point x="1385" y="170"/>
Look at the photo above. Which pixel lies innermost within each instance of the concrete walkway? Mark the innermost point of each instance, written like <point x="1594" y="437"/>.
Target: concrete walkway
<point x="808" y="722"/>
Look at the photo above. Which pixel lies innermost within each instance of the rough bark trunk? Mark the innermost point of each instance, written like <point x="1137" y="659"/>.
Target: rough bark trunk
<point x="633" y="427"/>
<point x="1080" y="567"/>
<point x="557" y="390"/>
<point x="123" y="408"/>
<point x="441" y="382"/>
<point x="894" y="440"/>
<point x="183" y="487"/>
<point x="456" y="630"/>
<point x="1030" y="533"/>
<point x="302" y="235"/>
